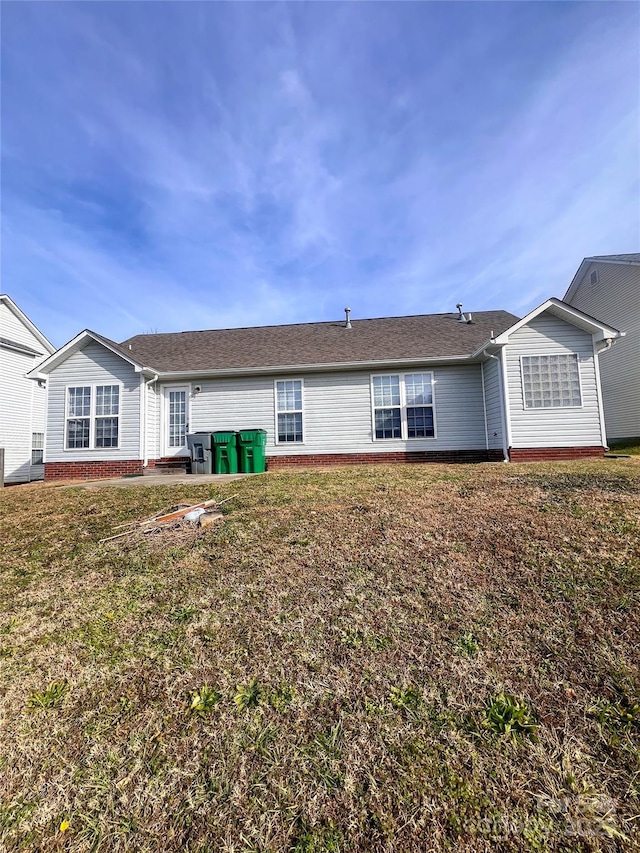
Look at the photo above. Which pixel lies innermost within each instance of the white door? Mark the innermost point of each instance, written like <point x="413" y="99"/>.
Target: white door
<point x="176" y="420"/>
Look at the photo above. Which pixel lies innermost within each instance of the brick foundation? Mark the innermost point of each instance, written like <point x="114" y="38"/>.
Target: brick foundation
<point x="91" y="470"/>
<point x="549" y="454"/>
<point x="328" y="459"/>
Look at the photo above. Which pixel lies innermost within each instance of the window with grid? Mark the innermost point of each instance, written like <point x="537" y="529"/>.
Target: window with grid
<point x="289" y="410"/>
<point x="387" y="407"/>
<point x="78" y="417"/>
<point x="37" y="448"/>
<point x="93" y="417"/>
<point x="551" y="381"/>
<point x="403" y="406"/>
<point x="107" y="415"/>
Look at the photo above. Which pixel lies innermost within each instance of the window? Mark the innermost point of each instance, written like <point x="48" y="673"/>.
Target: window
<point x="289" y="410"/>
<point x="551" y="381"/>
<point x="93" y="417"/>
<point x="403" y="406"/>
<point x="78" y="417"/>
<point x="107" y="415"/>
<point x="37" y="448"/>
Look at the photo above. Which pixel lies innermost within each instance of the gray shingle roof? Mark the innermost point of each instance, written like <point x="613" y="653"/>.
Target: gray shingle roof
<point x="632" y="258"/>
<point x="425" y="336"/>
<point x="7" y="342"/>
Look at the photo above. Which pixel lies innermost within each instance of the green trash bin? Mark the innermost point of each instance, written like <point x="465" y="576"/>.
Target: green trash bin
<point x="251" y="450"/>
<point x="225" y="453"/>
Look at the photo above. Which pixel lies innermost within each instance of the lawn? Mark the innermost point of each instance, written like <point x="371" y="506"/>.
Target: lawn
<point x="403" y="658"/>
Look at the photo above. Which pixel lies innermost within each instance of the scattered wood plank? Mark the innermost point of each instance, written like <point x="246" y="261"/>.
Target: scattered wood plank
<point x="117" y="536"/>
<point x="172" y="516"/>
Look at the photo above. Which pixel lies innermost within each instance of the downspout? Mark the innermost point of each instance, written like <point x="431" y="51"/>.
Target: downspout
<point x="505" y="436"/>
<point x="596" y="359"/>
<point x="505" y="389"/>
<point x="484" y="405"/>
<point x="145" y="454"/>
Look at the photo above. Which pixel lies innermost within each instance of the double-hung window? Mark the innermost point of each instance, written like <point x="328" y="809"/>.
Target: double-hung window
<point x="107" y="415"/>
<point x="403" y="406"/>
<point x="78" y="417"/>
<point x="289" y="410"/>
<point x="551" y="381"/>
<point x="37" y="448"/>
<point x="93" y="417"/>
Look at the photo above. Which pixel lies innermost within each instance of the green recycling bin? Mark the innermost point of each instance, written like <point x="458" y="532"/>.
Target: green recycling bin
<point x="225" y="453"/>
<point x="251" y="450"/>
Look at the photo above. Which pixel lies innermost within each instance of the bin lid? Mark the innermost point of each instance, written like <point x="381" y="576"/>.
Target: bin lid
<point x="251" y="434"/>
<point x="222" y="437"/>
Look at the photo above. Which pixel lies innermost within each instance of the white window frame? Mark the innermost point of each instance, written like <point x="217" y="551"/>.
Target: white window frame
<point x="404" y="429"/>
<point x="288" y="411"/>
<point x="92" y="417"/>
<point x="550" y="408"/>
<point x="39" y="448"/>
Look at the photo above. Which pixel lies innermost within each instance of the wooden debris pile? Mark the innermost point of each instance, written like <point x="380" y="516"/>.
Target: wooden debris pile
<point x="179" y="517"/>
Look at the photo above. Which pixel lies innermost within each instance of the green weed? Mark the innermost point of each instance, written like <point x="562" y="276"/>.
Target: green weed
<point x="467" y="644"/>
<point x="507" y="715"/>
<point x="50" y="698"/>
<point x="248" y="696"/>
<point x="204" y="700"/>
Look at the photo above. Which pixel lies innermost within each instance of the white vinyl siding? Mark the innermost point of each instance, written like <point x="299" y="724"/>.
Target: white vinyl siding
<point x="94" y="366"/>
<point x="615" y="299"/>
<point x="337" y="412"/>
<point x="22" y="401"/>
<point x="551" y="426"/>
<point x="493" y="403"/>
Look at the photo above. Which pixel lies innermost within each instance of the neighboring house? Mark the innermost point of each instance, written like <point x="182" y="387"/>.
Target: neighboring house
<point x="608" y="286"/>
<point x="22" y="402"/>
<point x="437" y="387"/>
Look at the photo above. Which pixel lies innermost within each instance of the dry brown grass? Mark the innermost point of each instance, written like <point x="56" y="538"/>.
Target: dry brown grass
<point x="351" y="627"/>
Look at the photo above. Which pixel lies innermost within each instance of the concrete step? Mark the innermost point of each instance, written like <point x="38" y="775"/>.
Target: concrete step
<point x="169" y="466"/>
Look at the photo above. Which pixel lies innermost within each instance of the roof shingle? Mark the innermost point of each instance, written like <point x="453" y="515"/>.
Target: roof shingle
<point x="424" y="336"/>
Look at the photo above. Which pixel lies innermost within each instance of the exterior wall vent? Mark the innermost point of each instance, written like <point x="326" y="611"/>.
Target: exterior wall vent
<point x="594" y="277"/>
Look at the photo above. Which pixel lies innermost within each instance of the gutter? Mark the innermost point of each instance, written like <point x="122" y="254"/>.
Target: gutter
<point x="312" y="368"/>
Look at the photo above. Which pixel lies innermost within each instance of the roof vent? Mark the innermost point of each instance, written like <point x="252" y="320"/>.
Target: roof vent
<point x="461" y="316"/>
<point x="347" y="323"/>
<point x="469" y="318"/>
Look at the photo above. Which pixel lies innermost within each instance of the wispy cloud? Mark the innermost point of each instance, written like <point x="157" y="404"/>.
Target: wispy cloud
<point x="170" y="165"/>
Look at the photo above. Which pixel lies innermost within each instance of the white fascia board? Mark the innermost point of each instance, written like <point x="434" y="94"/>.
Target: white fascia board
<point x="566" y="312"/>
<point x="43" y="369"/>
<point x="309" y="368"/>
<point x="35" y="331"/>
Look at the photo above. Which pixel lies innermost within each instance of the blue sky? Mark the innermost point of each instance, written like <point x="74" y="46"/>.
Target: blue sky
<point x="182" y="165"/>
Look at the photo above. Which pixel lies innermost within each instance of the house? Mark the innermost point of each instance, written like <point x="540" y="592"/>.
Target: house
<point x="435" y="387"/>
<point x="22" y="402"/>
<point x="608" y="286"/>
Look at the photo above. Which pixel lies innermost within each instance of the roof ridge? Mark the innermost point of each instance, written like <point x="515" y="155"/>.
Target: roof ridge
<point x="339" y="321"/>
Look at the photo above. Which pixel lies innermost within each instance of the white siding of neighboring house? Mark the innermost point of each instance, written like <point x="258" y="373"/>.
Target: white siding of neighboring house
<point x="21" y="400"/>
<point x="553" y="427"/>
<point x="615" y="300"/>
<point x="338" y="414"/>
<point x="94" y="364"/>
<point x="493" y="403"/>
